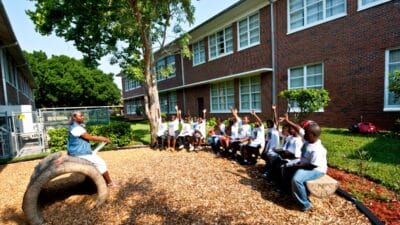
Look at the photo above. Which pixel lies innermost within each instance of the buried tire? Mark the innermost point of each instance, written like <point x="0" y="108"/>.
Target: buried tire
<point x="46" y="170"/>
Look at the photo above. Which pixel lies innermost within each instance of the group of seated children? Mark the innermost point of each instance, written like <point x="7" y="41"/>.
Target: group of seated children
<point x="189" y="132"/>
<point x="301" y="156"/>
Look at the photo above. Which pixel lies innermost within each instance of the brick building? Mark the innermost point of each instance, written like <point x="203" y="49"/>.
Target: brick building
<point x="16" y="84"/>
<point x="244" y="56"/>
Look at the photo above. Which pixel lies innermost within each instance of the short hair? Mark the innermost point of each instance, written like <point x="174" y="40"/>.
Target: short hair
<point x="314" y="128"/>
<point x="73" y="114"/>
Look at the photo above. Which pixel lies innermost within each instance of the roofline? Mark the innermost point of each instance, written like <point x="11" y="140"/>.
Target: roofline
<point x="14" y="44"/>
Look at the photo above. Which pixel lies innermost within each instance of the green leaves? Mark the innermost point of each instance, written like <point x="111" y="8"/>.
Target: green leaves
<point x="394" y="83"/>
<point x="306" y="101"/>
<point x="64" y="81"/>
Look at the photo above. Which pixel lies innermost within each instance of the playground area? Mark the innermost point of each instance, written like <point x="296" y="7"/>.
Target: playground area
<point x="175" y="188"/>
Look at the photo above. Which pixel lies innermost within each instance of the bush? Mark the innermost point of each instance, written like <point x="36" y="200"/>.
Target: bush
<point x="396" y="127"/>
<point x="58" y="139"/>
<point x="119" y="132"/>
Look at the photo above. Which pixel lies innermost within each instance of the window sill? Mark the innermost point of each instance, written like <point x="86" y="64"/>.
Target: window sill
<point x="363" y="7"/>
<point x="252" y="45"/>
<point x="220" y="56"/>
<point x="315" y="24"/>
<point x="392" y="109"/>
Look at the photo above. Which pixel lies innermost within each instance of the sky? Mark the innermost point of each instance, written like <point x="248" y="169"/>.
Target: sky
<point x="30" y="40"/>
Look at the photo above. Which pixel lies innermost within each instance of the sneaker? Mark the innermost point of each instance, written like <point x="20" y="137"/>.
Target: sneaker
<point x="181" y="146"/>
<point x="265" y="175"/>
<point x="191" y="148"/>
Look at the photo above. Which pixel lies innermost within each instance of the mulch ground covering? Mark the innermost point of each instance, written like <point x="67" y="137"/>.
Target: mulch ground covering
<point x="385" y="204"/>
<point x="175" y="188"/>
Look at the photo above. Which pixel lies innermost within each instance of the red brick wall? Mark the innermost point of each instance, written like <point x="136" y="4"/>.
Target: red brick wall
<point x="256" y="57"/>
<point x="352" y="50"/>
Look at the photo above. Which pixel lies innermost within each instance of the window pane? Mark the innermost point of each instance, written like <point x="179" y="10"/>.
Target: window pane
<point x="394" y="56"/>
<point x="314" y="12"/>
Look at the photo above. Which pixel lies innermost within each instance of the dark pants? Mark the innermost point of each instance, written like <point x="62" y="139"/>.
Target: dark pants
<point x="161" y="141"/>
<point x="251" y="153"/>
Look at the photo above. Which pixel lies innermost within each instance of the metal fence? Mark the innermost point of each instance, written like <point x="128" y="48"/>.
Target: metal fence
<point x="26" y="133"/>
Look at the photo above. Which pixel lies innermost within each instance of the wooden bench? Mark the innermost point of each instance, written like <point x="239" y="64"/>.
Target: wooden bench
<point x="323" y="186"/>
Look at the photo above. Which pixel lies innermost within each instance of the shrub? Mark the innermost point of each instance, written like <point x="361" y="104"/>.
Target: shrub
<point x="119" y="132"/>
<point x="58" y="139"/>
<point x="396" y="127"/>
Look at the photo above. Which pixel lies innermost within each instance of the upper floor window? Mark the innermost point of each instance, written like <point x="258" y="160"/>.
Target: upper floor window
<point x="220" y="43"/>
<point x="222" y="96"/>
<point x="309" y="76"/>
<point x="364" y="4"/>
<point x="392" y="58"/>
<point x="131" y="84"/>
<point x="250" y="93"/>
<point x="307" y="13"/>
<point x="165" y="68"/>
<point x="249" y="31"/>
<point x="199" y="53"/>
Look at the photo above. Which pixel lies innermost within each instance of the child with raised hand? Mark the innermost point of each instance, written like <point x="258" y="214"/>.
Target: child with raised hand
<point x="200" y="131"/>
<point x="186" y="134"/>
<point x="162" y="131"/>
<point x="272" y="142"/>
<point x="312" y="163"/>
<point x="173" y="129"/>
<point x="256" y="141"/>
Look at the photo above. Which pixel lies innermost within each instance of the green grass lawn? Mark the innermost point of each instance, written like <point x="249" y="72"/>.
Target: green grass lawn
<point x="374" y="156"/>
<point x="141" y="132"/>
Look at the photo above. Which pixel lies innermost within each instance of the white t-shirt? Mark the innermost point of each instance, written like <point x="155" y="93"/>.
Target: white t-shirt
<point x="186" y="130"/>
<point x="273" y="139"/>
<point x="235" y="129"/>
<point x="245" y="131"/>
<point x="222" y="128"/>
<point x="315" y="154"/>
<point x="162" y="128"/>
<point x="77" y="131"/>
<point x="258" y="137"/>
<point x="294" y="145"/>
<point x="173" y="126"/>
<point x="201" y="127"/>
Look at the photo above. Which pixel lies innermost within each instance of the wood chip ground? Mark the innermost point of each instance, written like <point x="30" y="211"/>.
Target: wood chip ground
<point x="175" y="188"/>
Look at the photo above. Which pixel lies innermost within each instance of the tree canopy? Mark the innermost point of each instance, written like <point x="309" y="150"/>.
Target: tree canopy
<point x="130" y="30"/>
<point x="63" y="81"/>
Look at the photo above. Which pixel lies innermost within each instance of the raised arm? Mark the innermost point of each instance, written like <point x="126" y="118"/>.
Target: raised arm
<point x="204" y="114"/>
<point x="253" y="112"/>
<point x="276" y="119"/>
<point x="235" y="114"/>
<point x="286" y="119"/>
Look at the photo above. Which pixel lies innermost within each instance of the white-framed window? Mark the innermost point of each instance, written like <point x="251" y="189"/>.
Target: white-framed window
<point x="249" y="31"/>
<point x="365" y="4"/>
<point x="220" y="43"/>
<point x="199" y="53"/>
<point x="167" y="62"/>
<point x="168" y="101"/>
<point x="222" y="96"/>
<point x="132" y="105"/>
<point x="306" y="13"/>
<point x="131" y="84"/>
<point x="250" y="94"/>
<point x="305" y="77"/>
<point x="392" y="63"/>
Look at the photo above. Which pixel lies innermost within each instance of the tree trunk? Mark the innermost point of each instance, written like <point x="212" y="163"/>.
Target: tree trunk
<point x="151" y="101"/>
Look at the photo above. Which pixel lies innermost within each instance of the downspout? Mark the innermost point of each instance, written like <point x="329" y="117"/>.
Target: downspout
<point x="3" y="75"/>
<point x="183" y="83"/>
<point x="273" y="52"/>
